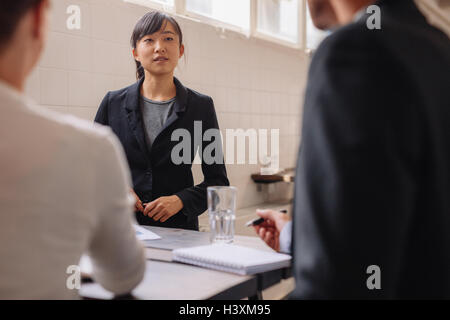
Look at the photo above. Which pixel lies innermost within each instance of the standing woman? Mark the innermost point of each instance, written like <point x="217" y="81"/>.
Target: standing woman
<point x="145" y="114"/>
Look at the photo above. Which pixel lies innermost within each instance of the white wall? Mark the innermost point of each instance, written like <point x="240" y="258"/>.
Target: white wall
<point x="254" y="84"/>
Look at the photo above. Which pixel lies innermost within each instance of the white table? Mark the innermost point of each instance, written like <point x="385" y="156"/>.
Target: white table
<point x="175" y="281"/>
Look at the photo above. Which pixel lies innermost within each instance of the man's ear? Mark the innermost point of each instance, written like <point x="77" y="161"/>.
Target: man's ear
<point x="40" y="19"/>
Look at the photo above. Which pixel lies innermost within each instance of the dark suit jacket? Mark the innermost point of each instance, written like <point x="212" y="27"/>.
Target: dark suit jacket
<point x="153" y="172"/>
<point x="373" y="174"/>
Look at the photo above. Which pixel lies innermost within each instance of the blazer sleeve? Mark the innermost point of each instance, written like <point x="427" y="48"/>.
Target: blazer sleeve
<point x="102" y="112"/>
<point x="195" y="199"/>
<point x="355" y="182"/>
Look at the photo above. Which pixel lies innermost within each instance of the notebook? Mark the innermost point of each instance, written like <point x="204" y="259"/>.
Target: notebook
<point x="232" y="258"/>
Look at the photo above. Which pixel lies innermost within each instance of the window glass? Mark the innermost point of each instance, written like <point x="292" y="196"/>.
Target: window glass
<point x="278" y="18"/>
<point x="314" y="36"/>
<point x="148" y="3"/>
<point x="234" y="12"/>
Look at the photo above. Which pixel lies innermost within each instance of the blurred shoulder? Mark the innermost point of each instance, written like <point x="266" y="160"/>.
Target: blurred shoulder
<point x="72" y="131"/>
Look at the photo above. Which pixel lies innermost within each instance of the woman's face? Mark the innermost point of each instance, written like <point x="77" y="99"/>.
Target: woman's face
<point x="159" y="52"/>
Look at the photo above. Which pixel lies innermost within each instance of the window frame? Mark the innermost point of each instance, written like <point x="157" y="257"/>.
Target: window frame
<point x="154" y="5"/>
<point x="218" y="24"/>
<point x="301" y="28"/>
<point x="179" y="8"/>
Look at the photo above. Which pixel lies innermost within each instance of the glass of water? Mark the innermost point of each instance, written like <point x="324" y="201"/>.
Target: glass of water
<point x="221" y="210"/>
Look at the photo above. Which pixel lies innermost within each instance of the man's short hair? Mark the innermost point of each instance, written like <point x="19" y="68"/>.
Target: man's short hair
<point x="11" y="11"/>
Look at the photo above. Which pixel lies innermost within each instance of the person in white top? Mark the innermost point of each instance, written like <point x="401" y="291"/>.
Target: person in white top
<point x="64" y="186"/>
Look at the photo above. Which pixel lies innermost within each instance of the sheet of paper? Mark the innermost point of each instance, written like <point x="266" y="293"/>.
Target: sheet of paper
<point x="85" y="265"/>
<point x="145" y="234"/>
<point x="95" y="291"/>
<point x="172" y="238"/>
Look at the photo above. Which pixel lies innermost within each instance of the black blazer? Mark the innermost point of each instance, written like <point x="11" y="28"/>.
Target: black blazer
<point x="153" y="173"/>
<point x="373" y="174"/>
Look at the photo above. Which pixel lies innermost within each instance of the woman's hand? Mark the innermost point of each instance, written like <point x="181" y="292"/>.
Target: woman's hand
<point x="163" y="208"/>
<point x="138" y="203"/>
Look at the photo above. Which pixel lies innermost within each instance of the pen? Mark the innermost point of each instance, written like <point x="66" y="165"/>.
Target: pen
<point x="258" y="221"/>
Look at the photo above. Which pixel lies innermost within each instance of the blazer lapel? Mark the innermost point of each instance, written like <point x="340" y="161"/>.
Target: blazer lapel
<point x="134" y="115"/>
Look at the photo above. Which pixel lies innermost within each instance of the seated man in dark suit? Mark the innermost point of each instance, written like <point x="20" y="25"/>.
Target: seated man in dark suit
<point x="371" y="214"/>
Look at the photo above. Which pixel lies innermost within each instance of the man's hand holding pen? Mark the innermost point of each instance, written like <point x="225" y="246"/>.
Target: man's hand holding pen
<point x="269" y="230"/>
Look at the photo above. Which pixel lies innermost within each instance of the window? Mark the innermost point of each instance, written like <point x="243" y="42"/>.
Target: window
<point x="232" y="12"/>
<point x="159" y="4"/>
<point x="279" y="19"/>
<point x="314" y="36"/>
<point x="165" y="2"/>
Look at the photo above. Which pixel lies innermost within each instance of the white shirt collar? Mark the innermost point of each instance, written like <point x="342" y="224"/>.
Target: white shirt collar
<point x="359" y="14"/>
<point x="437" y="13"/>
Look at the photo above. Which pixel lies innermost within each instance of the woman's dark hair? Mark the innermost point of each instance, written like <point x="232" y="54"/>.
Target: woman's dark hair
<point x="150" y="23"/>
<point x="11" y="11"/>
